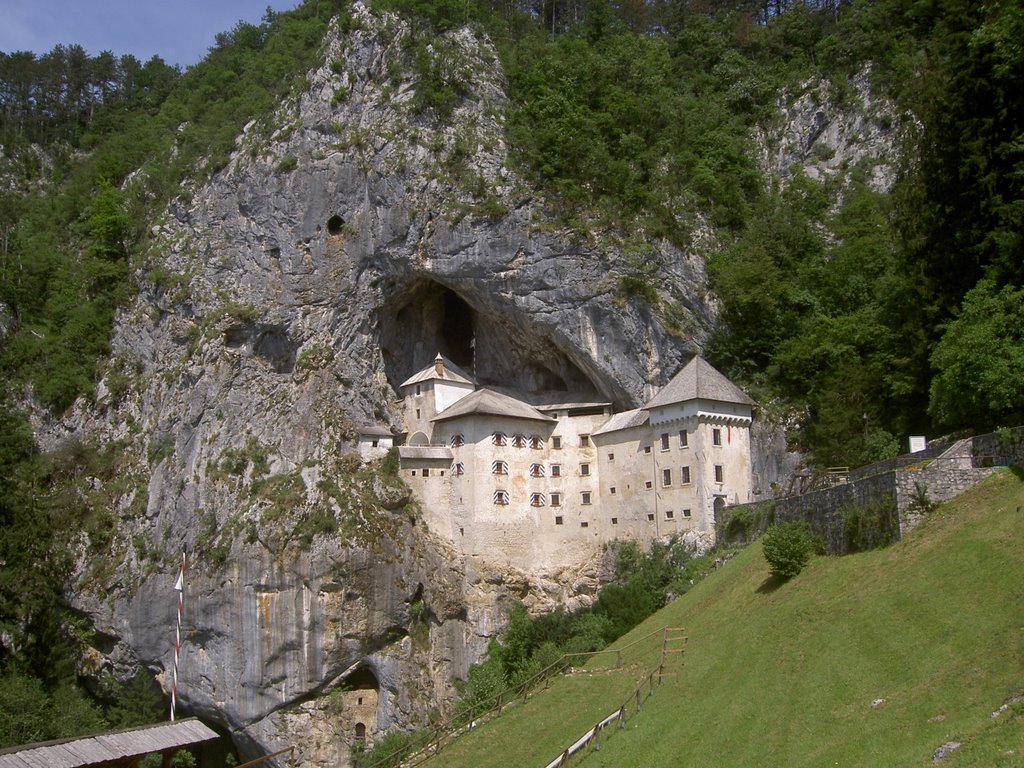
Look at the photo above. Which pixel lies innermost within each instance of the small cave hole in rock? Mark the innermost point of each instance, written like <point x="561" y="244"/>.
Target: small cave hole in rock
<point x="335" y="225"/>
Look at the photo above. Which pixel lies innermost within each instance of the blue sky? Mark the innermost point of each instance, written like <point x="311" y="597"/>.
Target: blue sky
<point x="179" y="31"/>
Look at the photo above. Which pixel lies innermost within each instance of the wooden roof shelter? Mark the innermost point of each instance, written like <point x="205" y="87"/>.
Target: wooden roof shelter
<point x="116" y="749"/>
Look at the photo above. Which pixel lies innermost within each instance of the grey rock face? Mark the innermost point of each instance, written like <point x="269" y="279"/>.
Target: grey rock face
<point x="350" y="238"/>
<point x="829" y="129"/>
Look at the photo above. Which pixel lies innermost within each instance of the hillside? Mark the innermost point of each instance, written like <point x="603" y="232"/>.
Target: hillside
<point x="870" y="659"/>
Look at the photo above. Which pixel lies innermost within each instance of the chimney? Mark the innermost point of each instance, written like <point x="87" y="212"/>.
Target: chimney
<point x="439" y="365"/>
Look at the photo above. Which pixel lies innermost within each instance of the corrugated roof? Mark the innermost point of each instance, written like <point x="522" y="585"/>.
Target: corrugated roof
<point x="116" y="745"/>
<point x="491" y="403"/>
<point x="625" y="420"/>
<point x="450" y="372"/>
<point x="698" y="381"/>
<point x="424" y="452"/>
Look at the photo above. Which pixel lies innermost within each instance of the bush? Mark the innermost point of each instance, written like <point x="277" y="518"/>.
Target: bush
<point x="787" y="548"/>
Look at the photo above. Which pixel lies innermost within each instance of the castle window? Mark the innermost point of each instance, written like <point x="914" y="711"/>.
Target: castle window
<point x="647" y="485"/>
<point x="556" y="499"/>
<point x="615" y="521"/>
<point x="498" y="438"/>
<point x="458" y="469"/>
<point x="647" y="449"/>
<point x="611" y="457"/>
<point x="536" y="470"/>
<point x="501" y="498"/>
<point x="556" y="442"/>
<point x="536" y="499"/>
<point x="584" y="470"/>
<point x="417" y="413"/>
<point x="584" y="524"/>
<point x="669" y="514"/>
<point x="536" y="442"/>
<point x="666" y="477"/>
<point x="686" y="513"/>
<point x="664" y="441"/>
<point x="719" y="473"/>
<point x="612" y="489"/>
<point x="558" y="520"/>
<point x="684" y="439"/>
<point x="458" y="441"/>
<point x="556" y="470"/>
<point x="426" y="471"/>
<point x="716" y="436"/>
<point x="585" y="497"/>
<point x="418" y="390"/>
<point x="499" y="467"/>
<point x="684" y="475"/>
<point x="519" y="441"/>
<point x="584" y="441"/>
<point x="650" y="517"/>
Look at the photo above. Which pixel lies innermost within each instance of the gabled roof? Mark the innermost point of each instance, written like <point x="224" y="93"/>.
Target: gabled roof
<point x="108" y="748"/>
<point x="375" y="431"/>
<point x="491" y="403"/>
<point x="449" y="372"/>
<point x="627" y="419"/>
<point x="698" y="381"/>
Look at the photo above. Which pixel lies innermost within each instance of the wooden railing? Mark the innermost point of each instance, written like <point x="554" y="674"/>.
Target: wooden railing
<point x="435" y="739"/>
<point x="592" y="738"/>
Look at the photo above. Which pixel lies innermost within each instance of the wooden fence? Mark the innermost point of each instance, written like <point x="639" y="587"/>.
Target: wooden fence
<point x="435" y="739"/>
<point x="592" y="738"/>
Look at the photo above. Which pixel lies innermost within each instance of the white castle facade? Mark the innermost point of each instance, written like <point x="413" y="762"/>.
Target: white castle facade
<point x="546" y="483"/>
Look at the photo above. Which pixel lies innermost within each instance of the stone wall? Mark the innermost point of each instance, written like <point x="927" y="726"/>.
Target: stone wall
<point x="1003" y="448"/>
<point x="879" y="505"/>
<point x="822" y="510"/>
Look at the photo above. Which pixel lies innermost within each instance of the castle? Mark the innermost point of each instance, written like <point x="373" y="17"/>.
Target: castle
<point x="546" y="481"/>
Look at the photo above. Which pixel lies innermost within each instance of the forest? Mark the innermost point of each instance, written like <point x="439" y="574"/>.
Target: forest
<point x="883" y="316"/>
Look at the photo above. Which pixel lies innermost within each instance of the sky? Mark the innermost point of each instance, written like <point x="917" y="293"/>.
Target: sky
<point x="179" y="31"/>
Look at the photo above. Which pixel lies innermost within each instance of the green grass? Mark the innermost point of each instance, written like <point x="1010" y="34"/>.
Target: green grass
<point x="785" y="674"/>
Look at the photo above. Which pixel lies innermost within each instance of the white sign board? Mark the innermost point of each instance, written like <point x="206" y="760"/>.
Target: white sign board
<point x="918" y="443"/>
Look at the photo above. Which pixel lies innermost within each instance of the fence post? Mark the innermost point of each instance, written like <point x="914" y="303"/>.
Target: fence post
<point x="499" y="702"/>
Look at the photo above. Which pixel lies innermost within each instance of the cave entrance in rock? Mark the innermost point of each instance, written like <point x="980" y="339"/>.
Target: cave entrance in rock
<point x="423" y="317"/>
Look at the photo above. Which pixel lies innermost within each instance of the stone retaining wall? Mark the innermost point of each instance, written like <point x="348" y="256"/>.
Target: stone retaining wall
<point x="879" y="506"/>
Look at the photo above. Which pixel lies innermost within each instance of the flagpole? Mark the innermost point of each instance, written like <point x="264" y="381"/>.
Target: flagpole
<point x="179" y="585"/>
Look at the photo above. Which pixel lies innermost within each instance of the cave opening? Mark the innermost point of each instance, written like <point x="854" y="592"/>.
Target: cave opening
<point x="362" y="678"/>
<point x="424" y="317"/>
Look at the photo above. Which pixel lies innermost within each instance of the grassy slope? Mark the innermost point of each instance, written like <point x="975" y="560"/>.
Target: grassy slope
<point x="785" y="675"/>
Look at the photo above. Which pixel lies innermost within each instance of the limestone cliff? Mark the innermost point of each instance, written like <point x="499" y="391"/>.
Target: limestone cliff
<point x="353" y="235"/>
<point x="350" y="238"/>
